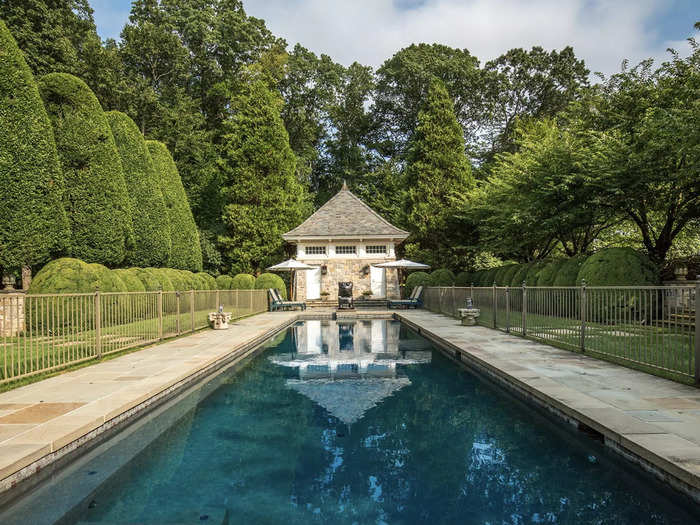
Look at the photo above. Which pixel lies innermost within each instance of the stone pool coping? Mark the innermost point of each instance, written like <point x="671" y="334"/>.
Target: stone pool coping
<point x="652" y="421"/>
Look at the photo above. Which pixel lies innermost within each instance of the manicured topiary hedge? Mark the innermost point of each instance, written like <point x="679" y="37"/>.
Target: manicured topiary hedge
<point x="463" y="279"/>
<point x="441" y="277"/>
<point x="243" y="281"/>
<point x="130" y="278"/>
<point x="157" y="276"/>
<point x="143" y="183"/>
<point x="186" y="252"/>
<point x="109" y="280"/>
<point x="416" y="279"/>
<point x="533" y="272"/>
<point x="568" y="271"/>
<point x="223" y="282"/>
<point x="208" y="280"/>
<point x="618" y="267"/>
<point x="520" y="275"/>
<point x="65" y="275"/>
<point x="506" y="278"/>
<point x="549" y="272"/>
<point x="270" y="280"/>
<point x="95" y="197"/>
<point x="33" y="224"/>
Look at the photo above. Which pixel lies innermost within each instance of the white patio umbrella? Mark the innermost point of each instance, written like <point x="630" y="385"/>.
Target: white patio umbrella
<point x="291" y="265"/>
<point x="403" y="264"/>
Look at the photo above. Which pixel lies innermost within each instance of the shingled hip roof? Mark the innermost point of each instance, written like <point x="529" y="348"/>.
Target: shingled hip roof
<point x="345" y="215"/>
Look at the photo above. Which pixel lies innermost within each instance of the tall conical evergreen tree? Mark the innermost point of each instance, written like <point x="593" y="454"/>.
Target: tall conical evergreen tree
<point x="95" y="198"/>
<point x="437" y="171"/>
<point x="185" y="253"/>
<point x="33" y="224"/>
<point x="263" y="197"/>
<point x="149" y="215"/>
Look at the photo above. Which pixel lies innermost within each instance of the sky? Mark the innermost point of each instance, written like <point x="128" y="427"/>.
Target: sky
<point x="602" y="32"/>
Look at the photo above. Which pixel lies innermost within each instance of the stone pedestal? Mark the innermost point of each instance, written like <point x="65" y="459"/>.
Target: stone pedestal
<point x="469" y="315"/>
<point x="11" y="314"/>
<point x="219" y="320"/>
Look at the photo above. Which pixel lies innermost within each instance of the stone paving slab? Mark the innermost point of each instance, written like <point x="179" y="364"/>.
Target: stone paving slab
<point x="652" y="420"/>
<point x="42" y="418"/>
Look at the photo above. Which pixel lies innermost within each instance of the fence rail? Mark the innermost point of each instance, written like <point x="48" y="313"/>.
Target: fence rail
<point x="653" y="328"/>
<point x="40" y="333"/>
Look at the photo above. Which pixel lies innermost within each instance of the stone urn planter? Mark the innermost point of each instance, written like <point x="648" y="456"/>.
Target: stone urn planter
<point x="469" y="315"/>
<point x="219" y="320"/>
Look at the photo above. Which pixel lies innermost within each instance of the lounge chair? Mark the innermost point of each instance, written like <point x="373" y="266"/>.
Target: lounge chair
<point x="345" y="299"/>
<point x="278" y="303"/>
<point x="415" y="301"/>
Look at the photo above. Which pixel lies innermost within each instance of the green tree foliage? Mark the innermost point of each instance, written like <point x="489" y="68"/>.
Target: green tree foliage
<point x="442" y="277"/>
<point x="618" y="267"/>
<point x="243" y="281"/>
<point x="68" y="275"/>
<point x="416" y="279"/>
<point x="149" y="215"/>
<point x="263" y="196"/>
<point x="568" y="272"/>
<point x="437" y="172"/>
<point x="270" y="280"/>
<point x="55" y="35"/>
<point x="522" y="85"/>
<point x="520" y="276"/>
<point x="130" y="278"/>
<point x="185" y="252"/>
<point x="533" y="272"/>
<point x="506" y="277"/>
<point x="404" y="82"/>
<point x="537" y="199"/>
<point x="649" y="148"/>
<point x="95" y="196"/>
<point x="34" y="224"/>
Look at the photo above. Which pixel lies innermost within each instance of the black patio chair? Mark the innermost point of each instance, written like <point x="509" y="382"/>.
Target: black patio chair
<point x="345" y="295"/>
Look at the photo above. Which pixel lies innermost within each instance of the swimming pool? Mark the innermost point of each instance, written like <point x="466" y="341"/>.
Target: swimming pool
<point x="350" y="422"/>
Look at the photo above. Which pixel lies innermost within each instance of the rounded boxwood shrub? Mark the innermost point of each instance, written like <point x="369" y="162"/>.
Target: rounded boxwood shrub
<point x="488" y="277"/>
<point x="34" y="224"/>
<point x="476" y="277"/>
<point x="463" y="279"/>
<point x="109" y="281"/>
<point x="507" y="277"/>
<point x="441" y="277"/>
<point x="185" y="250"/>
<point x="200" y="281"/>
<point x="549" y="272"/>
<point x="271" y="280"/>
<point x="161" y="276"/>
<point x="130" y="278"/>
<point x="95" y="196"/>
<point x="148" y="212"/>
<point x="208" y="280"/>
<point x="416" y="279"/>
<point x="521" y="274"/>
<point x="223" y="282"/>
<point x="65" y="275"/>
<point x="618" y="267"/>
<point x="568" y="271"/>
<point x="533" y="272"/>
<point x="243" y="281"/>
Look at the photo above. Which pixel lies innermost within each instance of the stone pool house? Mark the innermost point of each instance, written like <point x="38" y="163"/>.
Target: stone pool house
<point x="344" y="239"/>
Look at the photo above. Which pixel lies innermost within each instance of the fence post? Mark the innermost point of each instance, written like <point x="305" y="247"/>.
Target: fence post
<point x="507" y="309"/>
<point x="524" y="309"/>
<point x="98" y="323"/>
<point x="192" y="308"/>
<point x="471" y="292"/>
<point x="495" y="305"/>
<point x="160" y="314"/>
<point x="177" y="312"/>
<point x="697" y="333"/>
<point x="583" y="315"/>
<point x="218" y="300"/>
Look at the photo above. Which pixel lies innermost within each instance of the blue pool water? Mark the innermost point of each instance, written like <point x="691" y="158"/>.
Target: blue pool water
<point x="361" y="423"/>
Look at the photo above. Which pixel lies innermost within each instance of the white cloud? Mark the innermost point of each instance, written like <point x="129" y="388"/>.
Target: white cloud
<point x="603" y="32"/>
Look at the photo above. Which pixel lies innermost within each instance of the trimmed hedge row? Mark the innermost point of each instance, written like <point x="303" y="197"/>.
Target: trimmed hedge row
<point x="608" y="267"/>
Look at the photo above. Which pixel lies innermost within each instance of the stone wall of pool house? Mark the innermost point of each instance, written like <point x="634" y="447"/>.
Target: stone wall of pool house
<point x="353" y="270"/>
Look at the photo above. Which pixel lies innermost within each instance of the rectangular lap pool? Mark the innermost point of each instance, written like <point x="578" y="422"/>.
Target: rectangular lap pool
<point x="349" y="422"/>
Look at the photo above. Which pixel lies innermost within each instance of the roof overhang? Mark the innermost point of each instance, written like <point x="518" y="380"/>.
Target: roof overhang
<point x="330" y="238"/>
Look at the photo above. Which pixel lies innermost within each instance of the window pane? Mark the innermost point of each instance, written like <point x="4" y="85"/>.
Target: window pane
<point x="316" y="250"/>
<point x="345" y="250"/>
<point x="376" y="249"/>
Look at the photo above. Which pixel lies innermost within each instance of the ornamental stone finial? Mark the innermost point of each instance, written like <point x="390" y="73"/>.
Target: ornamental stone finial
<point x="345" y="186"/>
